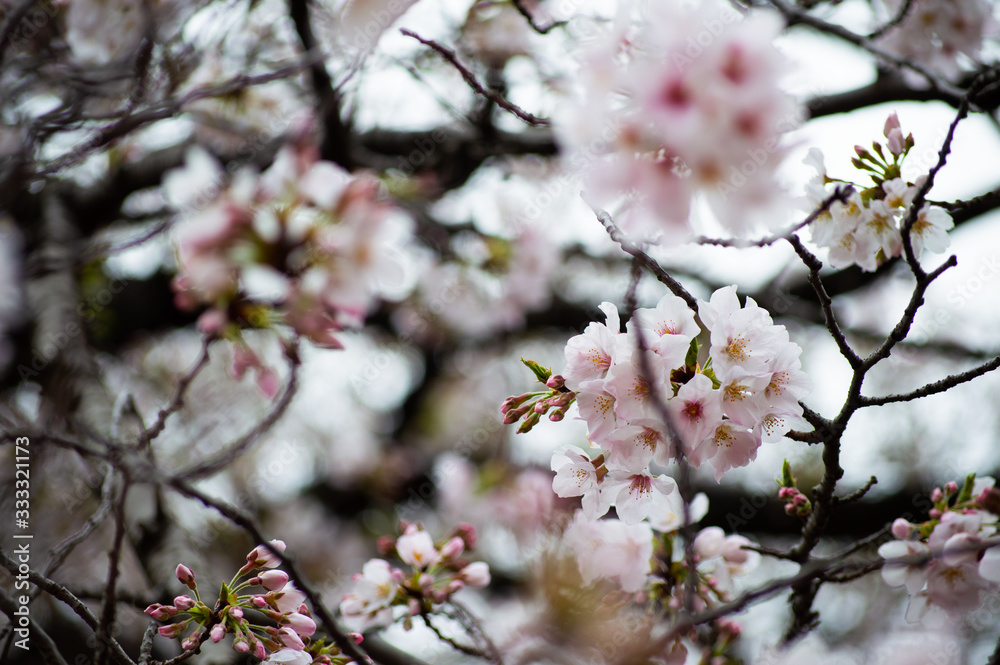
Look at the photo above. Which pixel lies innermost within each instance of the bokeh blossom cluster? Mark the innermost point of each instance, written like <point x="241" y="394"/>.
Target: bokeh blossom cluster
<point x="945" y="562"/>
<point x="866" y="229"/>
<point x="678" y="101"/>
<point x="260" y="608"/>
<point x="304" y="245"/>
<point x="944" y="35"/>
<point x="383" y="594"/>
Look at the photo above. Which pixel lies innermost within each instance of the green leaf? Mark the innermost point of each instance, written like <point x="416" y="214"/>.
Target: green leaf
<point x="787" y="479"/>
<point x="541" y="373"/>
<point x="966" y="492"/>
<point x="691" y="359"/>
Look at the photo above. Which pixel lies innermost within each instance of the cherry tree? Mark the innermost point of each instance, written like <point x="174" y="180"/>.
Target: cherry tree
<point x="510" y="331"/>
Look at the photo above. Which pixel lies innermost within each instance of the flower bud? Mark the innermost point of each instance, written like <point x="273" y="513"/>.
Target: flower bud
<point x="357" y="637"/>
<point x="896" y="142"/>
<point x="259" y="650"/>
<point x="185" y="576"/>
<point x="261" y="557"/>
<point x="240" y="645"/>
<point x="272" y="580"/>
<point x="184" y="603"/>
<point x="557" y="415"/>
<point x="935" y="514"/>
<point x="467" y="533"/>
<point x="300" y="623"/>
<point x="191" y="642"/>
<point x="936" y="494"/>
<point x="236" y="612"/>
<point x="989" y="499"/>
<point x="454" y="587"/>
<point x="173" y="630"/>
<point x="452" y="548"/>
<point x="951" y="487"/>
<point x="891" y="123"/>
<point x="556" y="382"/>
<point x="475" y="574"/>
<point x="218" y="632"/>
<point x="290" y="638"/>
<point x="413" y="607"/>
<point x="902" y="529"/>
<point x="161" y="612"/>
<point x="386" y="545"/>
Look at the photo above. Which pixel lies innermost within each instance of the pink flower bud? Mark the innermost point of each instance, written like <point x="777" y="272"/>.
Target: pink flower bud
<point x="218" y="632"/>
<point x="173" y="630"/>
<point x="556" y="382"/>
<point x="189" y="643"/>
<point x="240" y="645"/>
<point x="936" y="494"/>
<point x="259" y="651"/>
<point x="891" y="123"/>
<point x="211" y="322"/>
<point x="475" y="574"/>
<point x="467" y="533"/>
<point x="261" y="557"/>
<point x="935" y="514"/>
<point x="454" y="587"/>
<point x="272" y="580"/>
<point x="357" y="637"/>
<point x="185" y="575"/>
<point x="452" y="548"/>
<point x="902" y="529"/>
<point x="951" y="487"/>
<point x="184" y="603"/>
<point x="896" y="142"/>
<point x="301" y="624"/>
<point x="236" y="612"/>
<point x="397" y="576"/>
<point x="291" y="639"/>
<point x="386" y="545"/>
<point x="557" y="415"/>
<point x="161" y="612"/>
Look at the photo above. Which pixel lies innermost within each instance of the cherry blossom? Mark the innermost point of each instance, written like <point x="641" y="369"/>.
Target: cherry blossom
<point x="576" y="476"/>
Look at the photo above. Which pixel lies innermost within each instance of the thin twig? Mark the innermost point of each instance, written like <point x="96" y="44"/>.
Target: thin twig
<point x="178" y="400"/>
<point x="470" y="79"/>
<point x="540" y="29"/>
<point x="237" y="448"/>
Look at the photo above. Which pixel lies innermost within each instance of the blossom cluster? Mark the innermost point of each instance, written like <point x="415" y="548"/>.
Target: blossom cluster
<point x="946" y="561"/>
<point x="634" y="559"/>
<point x="866" y="229"/>
<point x="679" y="100"/>
<point x="746" y="393"/>
<point x="938" y="33"/>
<point x="304" y="245"/>
<point x="240" y="612"/>
<point x="382" y="594"/>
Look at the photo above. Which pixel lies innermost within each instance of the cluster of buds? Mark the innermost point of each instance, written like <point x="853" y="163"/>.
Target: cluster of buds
<point x="247" y="615"/>
<point x="796" y="502"/>
<point x="532" y="406"/>
<point x="383" y="593"/>
<point x="867" y="227"/>
<point x="878" y="164"/>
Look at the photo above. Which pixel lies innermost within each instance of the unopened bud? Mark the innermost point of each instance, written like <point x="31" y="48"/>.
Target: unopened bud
<point x="218" y="632"/>
<point x="989" y="499"/>
<point x="892" y="122"/>
<point x="161" y="612"/>
<point x="185" y="575"/>
<point x="467" y="533"/>
<point x="951" y="487"/>
<point x="184" y="603"/>
<point x="902" y="529"/>
<point x="528" y="423"/>
<point x="557" y="415"/>
<point x="936" y="494"/>
<point x="556" y="382"/>
<point x="452" y="548"/>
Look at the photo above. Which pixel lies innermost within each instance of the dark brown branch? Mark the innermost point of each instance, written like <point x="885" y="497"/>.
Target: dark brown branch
<point x="540" y="29"/>
<point x="934" y="388"/>
<point x="470" y="79"/>
<point x="110" y="596"/>
<point x="178" y="400"/>
<point x="646" y="261"/>
<point x="39" y="638"/>
<point x="826" y="302"/>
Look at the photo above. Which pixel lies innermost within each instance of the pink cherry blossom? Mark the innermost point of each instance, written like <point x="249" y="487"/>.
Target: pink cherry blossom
<point x="417" y="549"/>
<point x="635" y="495"/>
<point x="697" y="410"/>
<point x="576" y="476"/>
